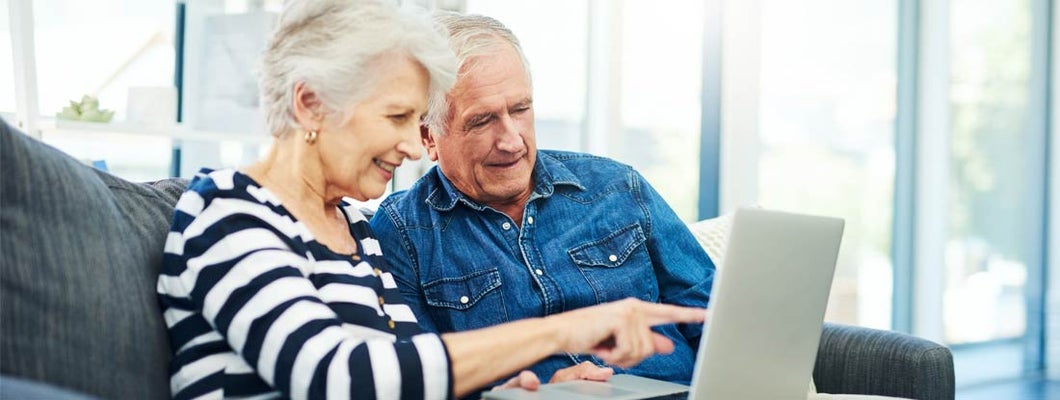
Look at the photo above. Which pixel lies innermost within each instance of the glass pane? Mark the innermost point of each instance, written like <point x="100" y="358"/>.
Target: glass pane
<point x="102" y="48"/>
<point x="660" y="95"/>
<point x="557" y="52"/>
<point x="827" y="112"/>
<point x="7" y="68"/>
<point x="986" y="264"/>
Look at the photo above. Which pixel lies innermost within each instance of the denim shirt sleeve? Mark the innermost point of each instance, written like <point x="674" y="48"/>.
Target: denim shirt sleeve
<point x="388" y="228"/>
<point x="684" y="272"/>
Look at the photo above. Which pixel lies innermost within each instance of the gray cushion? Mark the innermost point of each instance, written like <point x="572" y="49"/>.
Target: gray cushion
<point x="80" y="252"/>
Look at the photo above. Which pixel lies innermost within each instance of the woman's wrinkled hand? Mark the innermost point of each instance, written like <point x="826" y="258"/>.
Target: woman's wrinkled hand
<point x="619" y="333"/>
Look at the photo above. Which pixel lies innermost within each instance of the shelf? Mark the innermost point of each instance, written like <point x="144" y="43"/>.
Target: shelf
<point x="173" y="131"/>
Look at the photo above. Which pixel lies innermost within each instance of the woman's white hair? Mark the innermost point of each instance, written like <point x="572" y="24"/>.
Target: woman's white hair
<point x="329" y="46"/>
<point x="470" y="36"/>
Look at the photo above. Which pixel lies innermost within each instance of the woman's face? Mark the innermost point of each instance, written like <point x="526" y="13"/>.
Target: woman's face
<point x="360" y="150"/>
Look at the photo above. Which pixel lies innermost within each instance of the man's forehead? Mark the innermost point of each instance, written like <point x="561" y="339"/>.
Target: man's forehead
<point x="488" y="98"/>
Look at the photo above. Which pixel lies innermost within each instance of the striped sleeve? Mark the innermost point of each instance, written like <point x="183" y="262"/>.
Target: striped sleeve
<point x="240" y="273"/>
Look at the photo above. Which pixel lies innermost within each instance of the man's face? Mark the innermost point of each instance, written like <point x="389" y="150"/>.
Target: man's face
<point x="488" y="150"/>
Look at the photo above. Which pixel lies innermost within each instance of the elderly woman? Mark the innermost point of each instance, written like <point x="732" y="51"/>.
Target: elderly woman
<point x="272" y="285"/>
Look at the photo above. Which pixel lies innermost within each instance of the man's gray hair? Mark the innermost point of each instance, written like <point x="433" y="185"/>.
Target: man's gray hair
<point x="470" y="36"/>
<point x="330" y="45"/>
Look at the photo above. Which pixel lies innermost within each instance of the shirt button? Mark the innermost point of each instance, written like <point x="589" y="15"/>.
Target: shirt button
<point x="613" y="258"/>
<point x="539" y="271"/>
<point x="390" y="323"/>
<point x="530" y="220"/>
<point x="464" y="299"/>
<point x="377" y="272"/>
<point x="380" y="300"/>
<point x="506" y="226"/>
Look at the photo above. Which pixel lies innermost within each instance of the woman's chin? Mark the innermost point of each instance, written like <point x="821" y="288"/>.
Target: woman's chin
<point x="367" y="194"/>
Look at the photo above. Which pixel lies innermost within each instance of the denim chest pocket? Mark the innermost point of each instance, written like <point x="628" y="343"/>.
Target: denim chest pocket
<point x="618" y="265"/>
<point x="466" y="302"/>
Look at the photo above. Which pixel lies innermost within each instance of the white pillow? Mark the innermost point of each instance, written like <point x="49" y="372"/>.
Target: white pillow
<point x="713" y="235"/>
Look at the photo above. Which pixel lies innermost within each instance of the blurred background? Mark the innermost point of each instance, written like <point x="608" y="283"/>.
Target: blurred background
<point x="927" y="125"/>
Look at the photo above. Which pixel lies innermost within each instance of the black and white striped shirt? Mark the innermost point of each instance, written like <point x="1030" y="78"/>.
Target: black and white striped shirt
<point x="256" y="307"/>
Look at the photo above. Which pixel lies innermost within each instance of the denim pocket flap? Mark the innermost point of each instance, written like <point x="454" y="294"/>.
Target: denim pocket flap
<point x="462" y="292"/>
<point x="611" y="251"/>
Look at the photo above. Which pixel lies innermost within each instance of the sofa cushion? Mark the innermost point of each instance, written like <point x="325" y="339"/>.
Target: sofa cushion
<point x="80" y="252"/>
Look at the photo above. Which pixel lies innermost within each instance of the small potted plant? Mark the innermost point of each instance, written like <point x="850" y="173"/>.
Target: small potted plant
<point x="86" y="110"/>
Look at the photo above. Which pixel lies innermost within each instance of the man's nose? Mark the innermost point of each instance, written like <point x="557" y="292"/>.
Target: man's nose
<point x="510" y="140"/>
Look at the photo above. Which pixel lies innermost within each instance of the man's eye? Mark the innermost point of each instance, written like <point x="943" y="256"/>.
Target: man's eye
<point x="520" y="110"/>
<point x="479" y="123"/>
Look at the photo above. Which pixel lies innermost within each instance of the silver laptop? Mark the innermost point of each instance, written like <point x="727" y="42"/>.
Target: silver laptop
<point x="766" y="314"/>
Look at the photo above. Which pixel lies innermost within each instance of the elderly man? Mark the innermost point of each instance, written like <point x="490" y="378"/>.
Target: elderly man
<point x="501" y="231"/>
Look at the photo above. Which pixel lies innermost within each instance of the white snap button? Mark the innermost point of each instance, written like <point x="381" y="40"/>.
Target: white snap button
<point x="539" y="271"/>
<point x="464" y="299"/>
<point x="530" y="220"/>
<point x="506" y="226"/>
<point x="613" y="258"/>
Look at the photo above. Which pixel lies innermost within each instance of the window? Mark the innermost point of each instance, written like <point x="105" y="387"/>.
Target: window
<point x="7" y="72"/>
<point x="826" y="132"/>
<point x="986" y="256"/>
<point x="556" y="52"/>
<point x="648" y="101"/>
<point x="661" y="64"/>
<point x="101" y="48"/>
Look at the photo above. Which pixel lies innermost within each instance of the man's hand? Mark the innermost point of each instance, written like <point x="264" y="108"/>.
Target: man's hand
<point x="525" y="380"/>
<point x="585" y="371"/>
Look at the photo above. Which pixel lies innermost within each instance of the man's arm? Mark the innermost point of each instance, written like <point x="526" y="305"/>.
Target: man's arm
<point x="684" y="271"/>
<point x="402" y="261"/>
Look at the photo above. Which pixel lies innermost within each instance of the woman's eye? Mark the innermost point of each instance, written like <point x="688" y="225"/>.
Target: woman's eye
<point x="399" y="117"/>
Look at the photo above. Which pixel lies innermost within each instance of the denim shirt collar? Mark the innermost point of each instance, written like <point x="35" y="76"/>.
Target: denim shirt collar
<point x="549" y="172"/>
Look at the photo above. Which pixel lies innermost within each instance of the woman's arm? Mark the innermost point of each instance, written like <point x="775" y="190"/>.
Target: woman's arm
<point x="240" y="275"/>
<point x="618" y="332"/>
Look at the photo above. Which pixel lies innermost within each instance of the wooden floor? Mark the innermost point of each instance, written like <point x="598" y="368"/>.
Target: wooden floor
<point x="1033" y="389"/>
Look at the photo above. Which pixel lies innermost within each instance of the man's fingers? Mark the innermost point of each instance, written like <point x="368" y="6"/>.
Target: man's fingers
<point x="509" y="384"/>
<point x="585" y="370"/>
<point x="528" y="380"/>
<point x="598" y="374"/>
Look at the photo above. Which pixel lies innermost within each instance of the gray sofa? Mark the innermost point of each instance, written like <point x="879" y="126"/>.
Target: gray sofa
<point x="80" y="250"/>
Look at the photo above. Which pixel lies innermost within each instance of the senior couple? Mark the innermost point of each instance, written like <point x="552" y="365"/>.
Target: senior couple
<point x="503" y="258"/>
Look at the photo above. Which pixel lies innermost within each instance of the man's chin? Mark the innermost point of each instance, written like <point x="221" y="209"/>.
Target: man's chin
<point x="505" y="194"/>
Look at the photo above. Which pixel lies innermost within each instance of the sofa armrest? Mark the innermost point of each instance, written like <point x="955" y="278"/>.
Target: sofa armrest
<point x="855" y="360"/>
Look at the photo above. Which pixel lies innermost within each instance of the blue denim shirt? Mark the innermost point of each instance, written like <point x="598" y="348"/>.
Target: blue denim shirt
<point x="593" y="231"/>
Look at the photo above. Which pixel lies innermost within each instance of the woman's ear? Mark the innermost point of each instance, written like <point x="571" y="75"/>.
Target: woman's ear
<point x="428" y="143"/>
<point x="308" y="110"/>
